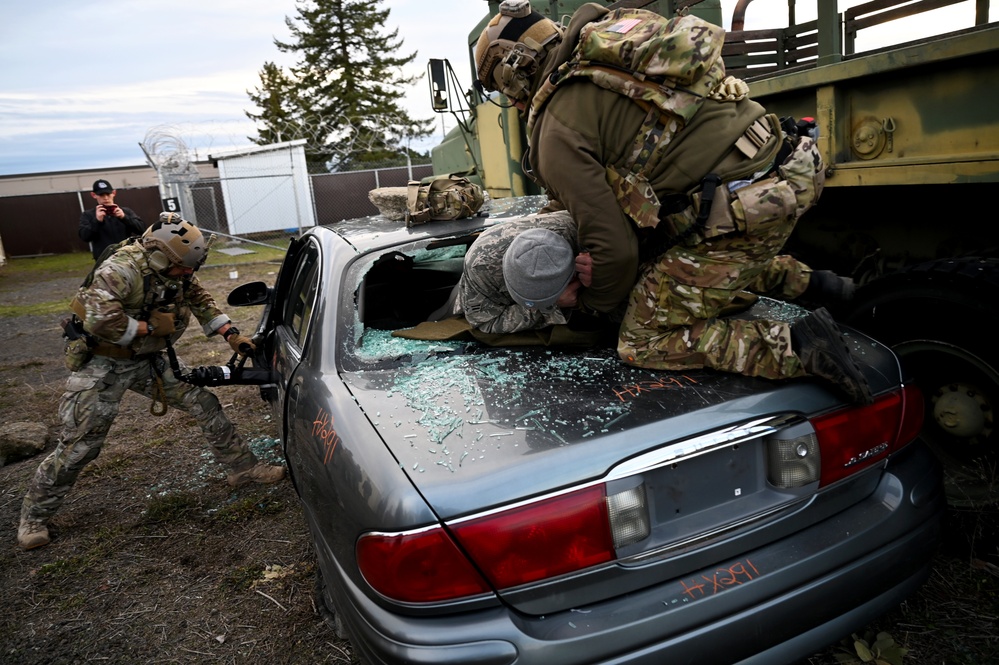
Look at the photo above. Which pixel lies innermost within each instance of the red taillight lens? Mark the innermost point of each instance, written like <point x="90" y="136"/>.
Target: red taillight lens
<point x="524" y="544"/>
<point x="540" y="540"/>
<point x="417" y="567"/>
<point x="855" y="438"/>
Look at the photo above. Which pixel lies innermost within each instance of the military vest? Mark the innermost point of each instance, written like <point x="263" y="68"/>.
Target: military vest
<point x="669" y="67"/>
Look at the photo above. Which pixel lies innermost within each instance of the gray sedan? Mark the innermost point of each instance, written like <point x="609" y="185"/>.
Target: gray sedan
<point x="546" y="505"/>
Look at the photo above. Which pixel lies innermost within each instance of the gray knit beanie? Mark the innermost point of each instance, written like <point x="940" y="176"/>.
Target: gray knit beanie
<point x="537" y="267"/>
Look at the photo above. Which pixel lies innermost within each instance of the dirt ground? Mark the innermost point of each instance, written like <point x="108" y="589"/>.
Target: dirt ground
<point x="156" y="560"/>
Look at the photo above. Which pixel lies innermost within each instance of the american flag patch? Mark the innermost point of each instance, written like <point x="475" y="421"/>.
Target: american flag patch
<point x="625" y="25"/>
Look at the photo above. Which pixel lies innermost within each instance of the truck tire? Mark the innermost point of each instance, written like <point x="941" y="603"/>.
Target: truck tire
<point x="941" y="319"/>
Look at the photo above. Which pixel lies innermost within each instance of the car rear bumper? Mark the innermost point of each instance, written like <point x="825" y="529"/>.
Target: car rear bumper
<point x="775" y="604"/>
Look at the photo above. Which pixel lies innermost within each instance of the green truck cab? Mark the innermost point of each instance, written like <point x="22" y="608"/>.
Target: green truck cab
<point x="910" y="136"/>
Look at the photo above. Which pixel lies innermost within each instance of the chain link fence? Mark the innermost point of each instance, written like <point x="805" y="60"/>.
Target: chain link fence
<point x="256" y="202"/>
<point x="254" y="217"/>
<point x="266" y="202"/>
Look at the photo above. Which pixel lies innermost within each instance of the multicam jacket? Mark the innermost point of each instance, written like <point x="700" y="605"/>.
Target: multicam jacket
<point x="584" y="129"/>
<point x="125" y="289"/>
<point x="482" y="294"/>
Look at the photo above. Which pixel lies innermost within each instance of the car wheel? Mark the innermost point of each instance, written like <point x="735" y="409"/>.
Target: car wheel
<point x="326" y="608"/>
<point x="940" y="319"/>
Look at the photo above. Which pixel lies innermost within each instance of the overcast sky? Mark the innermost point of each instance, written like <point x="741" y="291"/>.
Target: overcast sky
<point x="82" y="82"/>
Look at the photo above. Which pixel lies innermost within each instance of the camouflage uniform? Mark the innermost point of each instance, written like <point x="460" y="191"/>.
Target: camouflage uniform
<point x="113" y="304"/>
<point x="483" y="297"/>
<point x="585" y="142"/>
<point x="672" y="318"/>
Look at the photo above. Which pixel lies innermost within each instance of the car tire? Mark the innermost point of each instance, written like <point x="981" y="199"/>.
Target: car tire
<point x="940" y="320"/>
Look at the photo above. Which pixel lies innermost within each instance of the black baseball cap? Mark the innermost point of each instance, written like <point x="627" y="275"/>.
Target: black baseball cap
<point x="102" y="187"/>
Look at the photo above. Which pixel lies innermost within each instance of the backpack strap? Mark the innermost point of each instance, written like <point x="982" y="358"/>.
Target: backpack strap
<point x="416" y="210"/>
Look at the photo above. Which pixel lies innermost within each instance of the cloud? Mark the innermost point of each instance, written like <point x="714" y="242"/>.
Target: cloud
<point x="91" y="80"/>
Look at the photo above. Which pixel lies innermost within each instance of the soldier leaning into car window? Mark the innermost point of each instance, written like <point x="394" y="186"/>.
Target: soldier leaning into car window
<point x="518" y="275"/>
<point x="107" y="224"/>
<point x="637" y="178"/>
<point x="139" y="298"/>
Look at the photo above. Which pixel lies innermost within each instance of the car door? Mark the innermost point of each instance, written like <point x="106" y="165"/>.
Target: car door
<point x="292" y="320"/>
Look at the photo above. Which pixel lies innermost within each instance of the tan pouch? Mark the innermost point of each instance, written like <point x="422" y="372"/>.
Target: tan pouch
<point x="77" y="354"/>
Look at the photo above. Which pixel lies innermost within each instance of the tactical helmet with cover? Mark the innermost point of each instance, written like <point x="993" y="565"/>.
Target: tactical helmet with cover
<point x="173" y="241"/>
<point x="511" y="48"/>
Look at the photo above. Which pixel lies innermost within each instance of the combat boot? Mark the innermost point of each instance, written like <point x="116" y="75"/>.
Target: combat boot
<point x="259" y="473"/>
<point x="823" y="351"/>
<point x="32" y="534"/>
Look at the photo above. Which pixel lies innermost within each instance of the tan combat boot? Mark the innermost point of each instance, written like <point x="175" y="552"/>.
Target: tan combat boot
<point x="260" y="473"/>
<point x="32" y="534"/>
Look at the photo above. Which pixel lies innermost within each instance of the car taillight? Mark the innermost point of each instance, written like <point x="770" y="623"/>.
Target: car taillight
<point x="541" y="539"/>
<point x="421" y="566"/>
<point x="529" y="542"/>
<point x="856" y="438"/>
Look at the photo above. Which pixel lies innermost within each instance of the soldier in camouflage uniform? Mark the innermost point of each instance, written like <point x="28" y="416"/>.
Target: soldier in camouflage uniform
<point x="682" y="210"/>
<point x="141" y="296"/>
<point x="540" y="251"/>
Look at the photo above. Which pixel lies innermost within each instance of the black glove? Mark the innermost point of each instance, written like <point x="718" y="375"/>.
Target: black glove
<point x="825" y="286"/>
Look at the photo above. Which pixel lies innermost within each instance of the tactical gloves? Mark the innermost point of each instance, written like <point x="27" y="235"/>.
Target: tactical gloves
<point x="240" y="343"/>
<point x="161" y="323"/>
<point x="825" y="286"/>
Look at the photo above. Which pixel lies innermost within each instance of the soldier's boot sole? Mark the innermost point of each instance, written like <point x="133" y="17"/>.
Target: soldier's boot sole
<point x="824" y="352"/>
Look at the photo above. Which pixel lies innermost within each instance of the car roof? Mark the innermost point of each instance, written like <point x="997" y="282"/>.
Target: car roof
<point x="366" y="234"/>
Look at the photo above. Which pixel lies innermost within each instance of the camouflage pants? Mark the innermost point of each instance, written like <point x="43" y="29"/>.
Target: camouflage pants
<point x="88" y="408"/>
<point x="673" y="317"/>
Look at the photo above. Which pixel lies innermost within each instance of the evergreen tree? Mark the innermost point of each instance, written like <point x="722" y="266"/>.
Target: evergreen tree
<point x="276" y="99"/>
<point x="343" y="92"/>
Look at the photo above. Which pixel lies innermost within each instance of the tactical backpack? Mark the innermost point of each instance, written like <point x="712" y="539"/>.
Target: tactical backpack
<point x="104" y="256"/>
<point x="442" y="198"/>
<point x="669" y="67"/>
<point x="669" y="64"/>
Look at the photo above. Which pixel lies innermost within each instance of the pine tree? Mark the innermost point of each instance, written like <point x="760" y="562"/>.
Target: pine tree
<point x="343" y="93"/>
<point x="276" y="99"/>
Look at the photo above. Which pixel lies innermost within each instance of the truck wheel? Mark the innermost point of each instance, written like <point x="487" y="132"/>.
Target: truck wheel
<point x="941" y="320"/>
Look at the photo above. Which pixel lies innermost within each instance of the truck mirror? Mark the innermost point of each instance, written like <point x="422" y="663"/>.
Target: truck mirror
<point x="438" y="85"/>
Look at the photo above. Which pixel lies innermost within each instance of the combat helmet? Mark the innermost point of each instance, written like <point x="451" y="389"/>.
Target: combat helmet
<point x="172" y="241"/>
<point x="511" y="48"/>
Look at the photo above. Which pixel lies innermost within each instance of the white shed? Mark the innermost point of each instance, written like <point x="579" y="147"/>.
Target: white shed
<point x="266" y="188"/>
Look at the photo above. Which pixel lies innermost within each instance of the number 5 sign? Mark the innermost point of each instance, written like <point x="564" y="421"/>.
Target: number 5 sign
<point x="171" y="205"/>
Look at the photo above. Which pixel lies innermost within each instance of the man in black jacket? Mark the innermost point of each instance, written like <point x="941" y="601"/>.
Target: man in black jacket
<point x="107" y="223"/>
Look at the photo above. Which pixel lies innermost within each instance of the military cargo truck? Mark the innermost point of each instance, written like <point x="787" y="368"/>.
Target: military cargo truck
<point x="910" y="137"/>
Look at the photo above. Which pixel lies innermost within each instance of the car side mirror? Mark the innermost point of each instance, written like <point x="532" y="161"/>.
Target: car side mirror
<point x="438" y="85"/>
<point x="254" y="293"/>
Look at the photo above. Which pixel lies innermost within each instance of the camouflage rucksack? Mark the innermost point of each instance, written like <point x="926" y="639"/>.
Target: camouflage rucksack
<point x="669" y="67"/>
<point x="442" y="198"/>
<point x="671" y="64"/>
